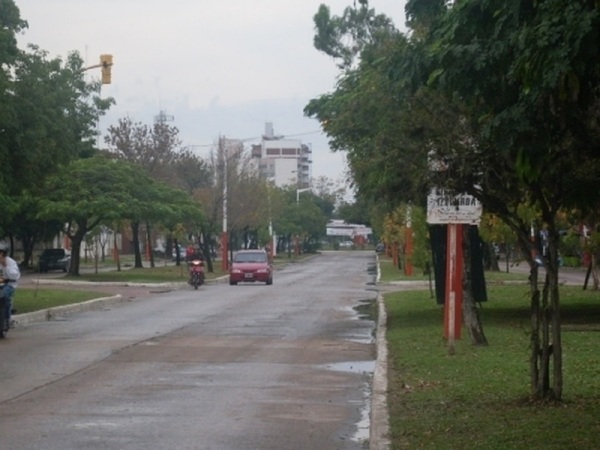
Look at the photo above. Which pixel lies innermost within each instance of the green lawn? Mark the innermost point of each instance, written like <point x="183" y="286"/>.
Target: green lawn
<point x="158" y="274"/>
<point x="389" y="272"/>
<point x="32" y="299"/>
<point x="478" y="398"/>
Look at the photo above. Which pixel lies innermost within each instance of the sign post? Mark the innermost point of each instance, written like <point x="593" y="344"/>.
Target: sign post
<point x="454" y="288"/>
<point x="455" y="211"/>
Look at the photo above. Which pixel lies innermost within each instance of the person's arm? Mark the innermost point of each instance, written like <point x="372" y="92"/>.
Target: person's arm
<point x="11" y="270"/>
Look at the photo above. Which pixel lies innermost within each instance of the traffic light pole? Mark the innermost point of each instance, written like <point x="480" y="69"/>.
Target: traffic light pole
<point x="105" y="64"/>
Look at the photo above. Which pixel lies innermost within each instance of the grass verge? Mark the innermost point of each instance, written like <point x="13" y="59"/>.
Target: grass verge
<point x="477" y="398"/>
<point x="389" y="272"/>
<point x="32" y="299"/>
<point x="158" y="274"/>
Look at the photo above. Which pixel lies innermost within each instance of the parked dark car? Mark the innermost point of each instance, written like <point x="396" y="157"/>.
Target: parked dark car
<point x="54" y="259"/>
<point x="181" y="250"/>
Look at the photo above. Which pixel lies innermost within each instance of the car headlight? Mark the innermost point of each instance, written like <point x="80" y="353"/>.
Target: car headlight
<point x="262" y="271"/>
<point x="236" y="271"/>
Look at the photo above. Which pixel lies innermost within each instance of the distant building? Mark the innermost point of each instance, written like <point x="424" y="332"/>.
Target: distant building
<point x="288" y="162"/>
<point x="341" y="228"/>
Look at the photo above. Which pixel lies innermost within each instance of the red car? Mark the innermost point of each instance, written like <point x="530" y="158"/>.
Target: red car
<point x="251" y="266"/>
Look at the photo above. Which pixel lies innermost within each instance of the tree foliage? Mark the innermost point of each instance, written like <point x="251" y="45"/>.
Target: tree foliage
<point x="504" y="96"/>
<point x="48" y="118"/>
<point x="101" y="190"/>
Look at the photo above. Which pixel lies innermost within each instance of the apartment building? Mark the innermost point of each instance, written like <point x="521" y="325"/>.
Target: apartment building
<point x="287" y="162"/>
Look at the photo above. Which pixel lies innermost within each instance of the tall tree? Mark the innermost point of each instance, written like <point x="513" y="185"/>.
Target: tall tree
<point x="10" y="24"/>
<point x="97" y="191"/>
<point x="48" y="117"/>
<point x="532" y="113"/>
<point x="505" y="96"/>
<point x="101" y="190"/>
<point x="151" y="148"/>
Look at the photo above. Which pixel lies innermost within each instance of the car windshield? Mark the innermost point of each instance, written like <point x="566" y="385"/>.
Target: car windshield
<point x="250" y="257"/>
<point x="54" y="252"/>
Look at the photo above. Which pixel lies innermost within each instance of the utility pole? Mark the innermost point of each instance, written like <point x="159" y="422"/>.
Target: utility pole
<point x="224" y="237"/>
<point x="162" y="117"/>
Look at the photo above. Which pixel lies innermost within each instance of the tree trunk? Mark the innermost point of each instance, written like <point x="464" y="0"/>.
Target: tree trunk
<point x="116" y="251"/>
<point x="206" y="245"/>
<point x="534" y="368"/>
<point x="149" y="244"/>
<point x="28" y="242"/>
<point x="552" y="270"/>
<point x="170" y="241"/>
<point x="471" y="316"/>
<point x="543" y="382"/>
<point x="546" y="344"/>
<point x="76" y="240"/>
<point x="135" y="236"/>
<point x="595" y="277"/>
<point x="587" y="274"/>
<point x="494" y="266"/>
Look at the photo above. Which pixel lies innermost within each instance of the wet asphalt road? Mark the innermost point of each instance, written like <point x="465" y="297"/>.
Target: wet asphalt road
<point x="286" y="366"/>
<point x="566" y="275"/>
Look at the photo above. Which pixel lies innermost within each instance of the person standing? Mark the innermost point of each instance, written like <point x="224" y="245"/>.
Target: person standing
<point x="8" y="280"/>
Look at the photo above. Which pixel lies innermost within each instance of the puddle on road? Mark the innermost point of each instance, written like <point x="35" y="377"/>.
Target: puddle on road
<point x="367" y="367"/>
<point x="372" y="271"/>
<point x="367" y="309"/>
<point x="365" y="313"/>
<point x="363" y="427"/>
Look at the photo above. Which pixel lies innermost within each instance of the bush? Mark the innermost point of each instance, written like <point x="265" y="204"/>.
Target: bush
<point x="571" y="261"/>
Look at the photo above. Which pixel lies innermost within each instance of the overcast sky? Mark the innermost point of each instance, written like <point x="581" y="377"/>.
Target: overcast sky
<point x="217" y="66"/>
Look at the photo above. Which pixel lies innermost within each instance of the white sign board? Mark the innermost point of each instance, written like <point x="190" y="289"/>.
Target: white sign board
<point x="347" y="231"/>
<point x="443" y="208"/>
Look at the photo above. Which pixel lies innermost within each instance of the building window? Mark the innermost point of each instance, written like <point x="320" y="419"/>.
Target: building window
<point x="289" y="151"/>
<point x="273" y="151"/>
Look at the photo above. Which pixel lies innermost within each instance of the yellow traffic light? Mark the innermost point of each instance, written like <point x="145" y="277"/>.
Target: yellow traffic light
<point x="106" y="63"/>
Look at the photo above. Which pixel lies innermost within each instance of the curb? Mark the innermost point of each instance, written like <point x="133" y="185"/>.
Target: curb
<point x="380" y="426"/>
<point x="105" y="283"/>
<point x="174" y="284"/>
<point x="380" y="420"/>
<point x="45" y="315"/>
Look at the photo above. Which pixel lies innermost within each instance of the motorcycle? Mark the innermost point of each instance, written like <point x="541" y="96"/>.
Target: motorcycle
<point x="196" y="269"/>
<point x="4" y="322"/>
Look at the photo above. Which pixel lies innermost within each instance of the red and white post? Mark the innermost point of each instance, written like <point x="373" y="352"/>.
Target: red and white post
<point x="454" y="288"/>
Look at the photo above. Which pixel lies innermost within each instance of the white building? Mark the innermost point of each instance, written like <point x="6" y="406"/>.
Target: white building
<point x="288" y="162"/>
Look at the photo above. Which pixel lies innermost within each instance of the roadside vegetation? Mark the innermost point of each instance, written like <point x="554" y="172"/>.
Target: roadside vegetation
<point x="496" y="100"/>
<point x="479" y="397"/>
<point x="34" y="299"/>
<point x="390" y="272"/>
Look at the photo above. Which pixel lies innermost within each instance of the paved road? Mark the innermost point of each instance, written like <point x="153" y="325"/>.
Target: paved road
<point x="226" y="367"/>
<point x="566" y="275"/>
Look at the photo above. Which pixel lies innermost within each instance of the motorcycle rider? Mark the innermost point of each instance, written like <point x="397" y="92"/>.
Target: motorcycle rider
<point x="8" y="280"/>
<point x="195" y="254"/>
